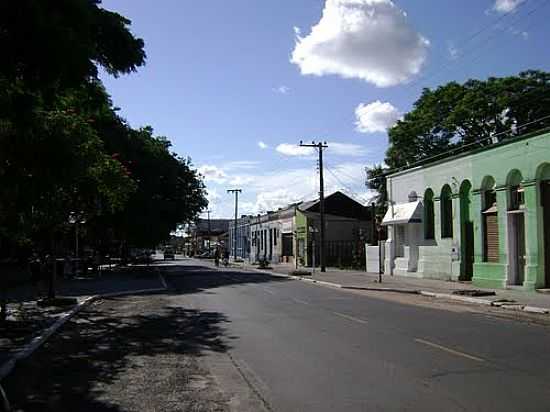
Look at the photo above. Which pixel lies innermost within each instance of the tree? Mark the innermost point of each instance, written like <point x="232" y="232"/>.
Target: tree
<point x="169" y="191"/>
<point x="59" y="44"/>
<point x="454" y="115"/>
<point x="457" y="117"/>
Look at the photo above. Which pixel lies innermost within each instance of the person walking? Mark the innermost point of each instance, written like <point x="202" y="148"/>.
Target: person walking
<point x="35" y="267"/>
<point x="217" y="257"/>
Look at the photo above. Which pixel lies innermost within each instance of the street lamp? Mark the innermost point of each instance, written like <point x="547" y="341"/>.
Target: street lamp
<point x="76" y="218"/>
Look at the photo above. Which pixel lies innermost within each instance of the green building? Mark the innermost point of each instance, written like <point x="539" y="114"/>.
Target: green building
<point x="482" y="215"/>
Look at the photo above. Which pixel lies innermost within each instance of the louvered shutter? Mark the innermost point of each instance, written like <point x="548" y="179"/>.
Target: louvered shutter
<point x="491" y="237"/>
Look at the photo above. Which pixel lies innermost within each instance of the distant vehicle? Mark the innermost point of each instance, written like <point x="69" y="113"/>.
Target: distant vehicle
<point x="169" y="253"/>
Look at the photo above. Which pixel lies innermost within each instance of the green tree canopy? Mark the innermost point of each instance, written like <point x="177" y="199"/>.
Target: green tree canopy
<point x="50" y="44"/>
<point x="456" y="116"/>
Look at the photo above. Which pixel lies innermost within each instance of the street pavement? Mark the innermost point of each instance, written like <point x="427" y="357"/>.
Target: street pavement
<point x="244" y="341"/>
<point x="355" y="278"/>
<point x="309" y="348"/>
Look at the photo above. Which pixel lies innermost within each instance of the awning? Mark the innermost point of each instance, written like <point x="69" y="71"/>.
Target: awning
<point x="402" y="213"/>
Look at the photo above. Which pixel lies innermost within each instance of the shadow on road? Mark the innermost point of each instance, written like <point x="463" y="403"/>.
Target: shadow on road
<point x="188" y="279"/>
<point x="107" y="350"/>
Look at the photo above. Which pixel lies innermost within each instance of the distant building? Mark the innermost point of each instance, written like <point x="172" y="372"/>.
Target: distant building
<point x="483" y="215"/>
<point x="242" y="238"/>
<point x="291" y="235"/>
<point x="205" y="233"/>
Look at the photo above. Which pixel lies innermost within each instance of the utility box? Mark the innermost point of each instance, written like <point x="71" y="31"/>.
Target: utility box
<point x="373" y="255"/>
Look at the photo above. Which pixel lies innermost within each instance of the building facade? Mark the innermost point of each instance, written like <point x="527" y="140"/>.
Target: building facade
<point x="292" y="234"/>
<point x="242" y="238"/>
<point x="482" y="216"/>
<point x="272" y="236"/>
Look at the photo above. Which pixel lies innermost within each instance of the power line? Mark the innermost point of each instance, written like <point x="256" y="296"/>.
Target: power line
<point x="445" y="66"/>
<point x="359" y="197"/>
<point x="461" y="147"/>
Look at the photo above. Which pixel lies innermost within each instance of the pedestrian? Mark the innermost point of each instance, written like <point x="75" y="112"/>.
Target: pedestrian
<point x="35" y="267"/>
<point x="217" y="257"/>
<point x="97" y="263"/>
<point x="67" y="267"/>
<point x="226" y="257"/>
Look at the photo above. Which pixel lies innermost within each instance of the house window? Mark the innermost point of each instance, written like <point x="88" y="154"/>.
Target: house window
<point x="446" y="212"/>
<point x="517" y="199"/>
<point x="275" y="237"/>
<point x="429" y="218"/>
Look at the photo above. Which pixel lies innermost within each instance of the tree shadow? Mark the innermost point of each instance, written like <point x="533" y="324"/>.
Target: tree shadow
<point x="190" y="279"/>
<point x="77" y="368"/>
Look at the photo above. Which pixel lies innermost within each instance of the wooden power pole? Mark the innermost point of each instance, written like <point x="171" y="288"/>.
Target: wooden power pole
<point x="322" y="249"/>
<point x="236" y="191"/>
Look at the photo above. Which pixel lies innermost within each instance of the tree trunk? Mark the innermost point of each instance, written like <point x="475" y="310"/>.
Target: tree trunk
<point x="53" y="268"/>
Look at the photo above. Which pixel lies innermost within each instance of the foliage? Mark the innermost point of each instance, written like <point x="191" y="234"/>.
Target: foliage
<point x="456" y="114"/>
<point x="465" y="116"/>
<point x="59" y="44"/>
<point x="65" y="152"/>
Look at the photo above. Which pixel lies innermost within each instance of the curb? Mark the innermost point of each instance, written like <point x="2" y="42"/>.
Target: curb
<point x="381" y="289"/>
<point x="437" y="295"/>
<point x="39" y="340"/>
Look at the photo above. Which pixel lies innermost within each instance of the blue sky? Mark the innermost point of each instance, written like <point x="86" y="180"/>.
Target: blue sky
<point x="235" y="84"/>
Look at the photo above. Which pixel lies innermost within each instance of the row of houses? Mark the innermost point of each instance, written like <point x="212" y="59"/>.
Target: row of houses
<point x="291" y="234"/>
<point x="482" y="216"/>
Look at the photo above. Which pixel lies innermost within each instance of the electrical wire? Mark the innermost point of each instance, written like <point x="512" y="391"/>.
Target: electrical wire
<point x="359" y="197"/>
<point x="445" y="66"/>
<point x="461" y="147"/>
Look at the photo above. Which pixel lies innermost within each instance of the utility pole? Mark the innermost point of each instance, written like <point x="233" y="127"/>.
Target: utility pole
<point x="209" y="231"/>
<point x="320" y="146"/>
<point x="236" y="191"/>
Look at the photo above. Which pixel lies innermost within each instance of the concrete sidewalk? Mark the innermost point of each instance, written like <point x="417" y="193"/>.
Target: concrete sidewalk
<point x="513" y="298"/>
<point x="27" y="320"/>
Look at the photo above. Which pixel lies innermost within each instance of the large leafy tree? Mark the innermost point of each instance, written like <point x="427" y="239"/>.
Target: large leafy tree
<point x="457" y="117"/>
<point x="52" y="44"/>
<point x="52" y="157"/>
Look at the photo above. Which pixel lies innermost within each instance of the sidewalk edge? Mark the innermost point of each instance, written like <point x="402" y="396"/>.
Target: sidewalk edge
<point x="39" y="340"/>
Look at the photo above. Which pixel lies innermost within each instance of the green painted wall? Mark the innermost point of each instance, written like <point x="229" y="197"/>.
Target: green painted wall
<point x="527" y="158"/>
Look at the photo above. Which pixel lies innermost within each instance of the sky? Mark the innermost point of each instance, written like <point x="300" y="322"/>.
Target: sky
<point x="236" y="84"/>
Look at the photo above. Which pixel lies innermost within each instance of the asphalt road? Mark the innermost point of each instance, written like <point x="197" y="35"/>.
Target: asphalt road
<point x="303" y="347"/>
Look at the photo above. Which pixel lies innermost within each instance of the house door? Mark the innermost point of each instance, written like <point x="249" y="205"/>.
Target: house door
<point x="468" y="250"/>
<point x="545" y="196"/>
<point x="517" y="248"/>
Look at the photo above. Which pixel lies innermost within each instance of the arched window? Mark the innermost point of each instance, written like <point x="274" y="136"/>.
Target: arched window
<point x="446" y="212"/>
<point x="515" y="190"/>
<point x="429" y="219"/>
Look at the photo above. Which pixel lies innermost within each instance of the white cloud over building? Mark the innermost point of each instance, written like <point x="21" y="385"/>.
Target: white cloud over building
<point x="371" y="40"/>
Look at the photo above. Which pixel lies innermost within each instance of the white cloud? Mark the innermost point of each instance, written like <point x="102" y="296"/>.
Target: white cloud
<point x="453" y="52"/>
<point x="281" y="89"/>
<point x="346" y="149"/>
<point x="506" y="6"/>
<point x="523" y="34"/>
<point x="241" y="164"/>
<point x="212" y="173"/>
<point x="365" y="39"/>
<point x="294" y="150"/>
<point x="375" y="117"/>
<point x="262" y="145"/>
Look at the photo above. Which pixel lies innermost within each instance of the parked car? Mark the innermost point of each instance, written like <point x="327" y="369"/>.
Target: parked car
<point x="169" y="253"/>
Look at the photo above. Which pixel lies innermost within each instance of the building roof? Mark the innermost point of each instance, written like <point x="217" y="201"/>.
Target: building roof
<point x="338" y="204"/>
